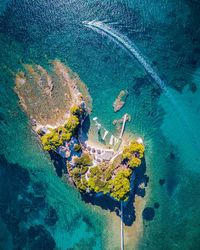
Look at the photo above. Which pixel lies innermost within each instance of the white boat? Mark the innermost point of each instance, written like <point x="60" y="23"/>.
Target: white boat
<point x="104" y="136"/>
<point x="111" y="140"/>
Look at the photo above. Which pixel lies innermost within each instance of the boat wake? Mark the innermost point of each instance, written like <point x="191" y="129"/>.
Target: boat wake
<point x="128" y="45"/>
<point x="124" y="42"/>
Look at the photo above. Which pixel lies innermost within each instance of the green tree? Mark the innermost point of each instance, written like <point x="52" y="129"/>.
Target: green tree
<point x="72" y="124"/>
<point x="66" y="136"/>
<point x="91" y="184"/>
<point x="77" y="148"/>
<point x="120" y="186"/>
<point x="51" y="140"/>
<point x="83" y="160"/>
<point x="75" y="110"/>
<point x="134" y="162"/>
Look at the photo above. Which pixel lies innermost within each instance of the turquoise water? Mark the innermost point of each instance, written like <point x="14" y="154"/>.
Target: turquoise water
<point x="41" y="211"/>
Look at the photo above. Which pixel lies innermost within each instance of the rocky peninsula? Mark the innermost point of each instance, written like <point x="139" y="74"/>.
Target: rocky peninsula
<point x="93" y="170"/>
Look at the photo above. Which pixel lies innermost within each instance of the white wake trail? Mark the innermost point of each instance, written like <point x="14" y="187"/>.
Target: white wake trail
<point x="130" y="46"/>
<point x="124" y="42"/>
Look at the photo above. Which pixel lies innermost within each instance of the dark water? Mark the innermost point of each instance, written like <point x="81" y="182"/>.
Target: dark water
<point x="38" y="210"/>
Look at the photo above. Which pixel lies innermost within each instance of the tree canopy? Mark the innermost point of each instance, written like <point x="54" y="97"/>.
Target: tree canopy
<point x="120" y="186"/>
<point x="56" y="137"/>
<point x="133" y="154"/>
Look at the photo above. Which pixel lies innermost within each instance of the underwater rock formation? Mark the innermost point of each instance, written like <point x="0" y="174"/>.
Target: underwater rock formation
<point x="120" y="121"/>
<point x="120" y="100"/>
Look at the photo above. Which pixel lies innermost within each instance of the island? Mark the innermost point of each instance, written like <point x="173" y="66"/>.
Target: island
<point x="94" y="171"/>
<point x="58" y="105"/>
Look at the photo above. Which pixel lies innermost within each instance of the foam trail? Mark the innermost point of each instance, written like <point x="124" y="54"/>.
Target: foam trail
<point x="130" y="46"/>
<point x="124" y="42"/>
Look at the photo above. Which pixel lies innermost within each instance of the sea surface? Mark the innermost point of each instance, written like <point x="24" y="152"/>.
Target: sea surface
<point x="40" y="210"/>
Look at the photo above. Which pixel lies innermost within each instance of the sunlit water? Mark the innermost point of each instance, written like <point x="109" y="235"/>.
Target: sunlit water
<point x="36" y="205"/>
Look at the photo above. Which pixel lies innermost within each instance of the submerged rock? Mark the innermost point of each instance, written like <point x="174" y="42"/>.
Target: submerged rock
<point x="156" y="205"/>
<point x="120" y="100"/>
<point x="148" y="213"/>
<point x="51" y="218"/>
<point x="162" y="181"/>
<point x="120" y="121"/>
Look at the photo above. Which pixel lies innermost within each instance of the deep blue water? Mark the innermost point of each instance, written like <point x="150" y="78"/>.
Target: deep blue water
<point x="38" y="210"/>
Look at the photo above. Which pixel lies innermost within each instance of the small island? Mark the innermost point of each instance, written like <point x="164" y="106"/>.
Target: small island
<point x="58" y="104"/>
<point x="109" y="175"/>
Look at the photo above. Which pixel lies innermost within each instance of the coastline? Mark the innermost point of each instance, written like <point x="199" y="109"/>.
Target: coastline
<point x="132" y="234"/>
<point x="103" y="150"/>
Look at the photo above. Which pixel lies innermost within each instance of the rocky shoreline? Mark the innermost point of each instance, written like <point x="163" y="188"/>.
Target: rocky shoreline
<point x="94" y="170"/>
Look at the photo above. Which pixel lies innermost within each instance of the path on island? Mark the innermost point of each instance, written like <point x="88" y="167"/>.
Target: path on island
<point x="122" y="228"/>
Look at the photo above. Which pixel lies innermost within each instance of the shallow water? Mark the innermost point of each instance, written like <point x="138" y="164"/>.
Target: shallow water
<point x="167" y="34"/>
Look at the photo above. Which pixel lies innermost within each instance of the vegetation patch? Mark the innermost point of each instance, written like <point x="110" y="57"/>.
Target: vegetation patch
<point x="111" y="178"/>
<point x="56" y="137"/>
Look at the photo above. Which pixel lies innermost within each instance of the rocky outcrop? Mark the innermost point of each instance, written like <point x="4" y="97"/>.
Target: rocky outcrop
<point x="120" y="100"/>
<point x="120" y="121"/>
<point x="47" y="96"/>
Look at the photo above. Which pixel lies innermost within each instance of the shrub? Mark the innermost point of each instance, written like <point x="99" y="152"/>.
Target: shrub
<point x="69" y="168"/>
<point x="51" y="140"/>
<point x="82" y="169"/>
<point x="83" y="160"/>
<point x="134" y="162"/>
<point x="72" y="124"/>
<point x="61" y="129"/>
<point x="85" y="182"/>
<point x="81" y="187"/>
<point x="120" y="186"/>
<point x="66" y="136"/>
<point x="108" y="176"/>
<point x="40" y="133"/>
<point x="91" y="183"/>
<point x="106" y="188"/>
<point x="94" y="171"/>
<point x="77" y="148"/>
<point x="48" y="147"/>
<point x="99" y="183"/>
<point x="76" y="173"/>
<point x="75" y="110"/>
<point x="96" y="189"/>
